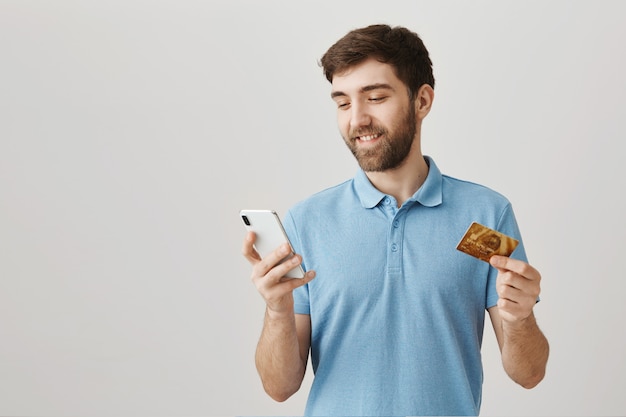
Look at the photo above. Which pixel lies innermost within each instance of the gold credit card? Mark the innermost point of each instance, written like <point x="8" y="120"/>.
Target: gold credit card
<point x="482" y="242"/>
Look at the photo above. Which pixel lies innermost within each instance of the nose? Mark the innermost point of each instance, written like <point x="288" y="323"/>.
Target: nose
<point x="359" y="117"/>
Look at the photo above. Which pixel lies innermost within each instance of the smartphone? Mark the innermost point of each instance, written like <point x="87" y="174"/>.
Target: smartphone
<point x="270" y="234"/>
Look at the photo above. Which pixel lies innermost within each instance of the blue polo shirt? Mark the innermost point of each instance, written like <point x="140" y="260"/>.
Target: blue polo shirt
<point x="397" y="313"/>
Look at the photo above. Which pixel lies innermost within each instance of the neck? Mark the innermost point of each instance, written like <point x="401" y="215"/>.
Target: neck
<point x="403" y="181"/>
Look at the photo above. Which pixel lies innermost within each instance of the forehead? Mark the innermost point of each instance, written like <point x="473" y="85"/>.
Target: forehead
<point x="367" y="73"/>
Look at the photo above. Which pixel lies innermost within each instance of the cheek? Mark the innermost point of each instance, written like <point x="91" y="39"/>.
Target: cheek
<point x="343" y="122"/>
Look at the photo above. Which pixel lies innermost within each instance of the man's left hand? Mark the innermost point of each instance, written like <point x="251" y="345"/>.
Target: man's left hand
<point x="518" y="286"/>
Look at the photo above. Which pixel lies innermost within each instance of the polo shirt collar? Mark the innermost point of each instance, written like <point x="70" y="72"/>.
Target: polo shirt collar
<point x="430" y="194"/>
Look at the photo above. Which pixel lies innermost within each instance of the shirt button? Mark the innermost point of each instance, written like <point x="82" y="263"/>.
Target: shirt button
<point x="387" y="200"/>
<point x="396" y="224"/>
<point x="394" y="248"/>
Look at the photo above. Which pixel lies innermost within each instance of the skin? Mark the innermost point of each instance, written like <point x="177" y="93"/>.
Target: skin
<point x="372" y="110"/>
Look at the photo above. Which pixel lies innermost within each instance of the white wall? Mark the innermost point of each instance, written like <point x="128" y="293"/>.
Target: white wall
<point x="132" y="132"/>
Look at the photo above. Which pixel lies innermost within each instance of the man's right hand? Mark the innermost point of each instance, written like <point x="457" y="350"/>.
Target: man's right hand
<point x="268" y="275"/>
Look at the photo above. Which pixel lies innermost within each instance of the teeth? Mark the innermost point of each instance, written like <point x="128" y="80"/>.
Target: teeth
<point x="367" y="138"/>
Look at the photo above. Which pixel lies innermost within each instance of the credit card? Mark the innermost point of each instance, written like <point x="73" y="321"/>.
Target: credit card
<point x="482" y="242"/>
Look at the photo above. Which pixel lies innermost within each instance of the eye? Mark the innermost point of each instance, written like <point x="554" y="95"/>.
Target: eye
<point x="377" y="99"/>
<point x="342" y="105"/>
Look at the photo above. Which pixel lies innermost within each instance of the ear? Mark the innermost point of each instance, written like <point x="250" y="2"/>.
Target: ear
<point x="424" y="101"/>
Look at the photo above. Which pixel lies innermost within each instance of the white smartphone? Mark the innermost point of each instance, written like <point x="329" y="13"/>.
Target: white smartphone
<point x="270" y="234"/>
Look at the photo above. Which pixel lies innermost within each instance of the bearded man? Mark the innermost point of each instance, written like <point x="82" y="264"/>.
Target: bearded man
<point x="391" y="314"/>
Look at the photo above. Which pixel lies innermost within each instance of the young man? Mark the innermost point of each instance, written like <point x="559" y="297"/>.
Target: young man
<point x="395" y="315"/>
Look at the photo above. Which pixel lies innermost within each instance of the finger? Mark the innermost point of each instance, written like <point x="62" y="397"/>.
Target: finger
<point x="509" y="310"/>
<point x="276" y="281"/>
<point x="293" y="283"/>
<point x="504" y="263"/>
<point x="274" y="295"/>
<point x="509" y="292"/>
<point x="512" y="279"/>
<point x="278" y="273"/>
<point x="287" y="286"/>
<point x="517" y="295"/>
<point x="248" y="250"/>
<point x="527" y="287"/>
<point x="271" y="261"/>
<point x="512" y="309"/>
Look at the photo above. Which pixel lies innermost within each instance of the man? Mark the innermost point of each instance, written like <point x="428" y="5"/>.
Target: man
<point x="394" y="318"/>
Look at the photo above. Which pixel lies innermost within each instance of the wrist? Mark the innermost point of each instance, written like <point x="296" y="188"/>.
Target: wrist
<point x="280" y="314"/>
<point x="518" y="324"/>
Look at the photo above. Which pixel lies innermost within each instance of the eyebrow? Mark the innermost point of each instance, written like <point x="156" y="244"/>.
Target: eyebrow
<point x="365" y="89"/>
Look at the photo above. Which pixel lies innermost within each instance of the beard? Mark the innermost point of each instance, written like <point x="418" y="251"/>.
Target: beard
<point x="392" y="148"/>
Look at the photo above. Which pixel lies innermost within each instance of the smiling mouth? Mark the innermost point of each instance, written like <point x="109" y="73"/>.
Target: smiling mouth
<point x="368" y="138"/>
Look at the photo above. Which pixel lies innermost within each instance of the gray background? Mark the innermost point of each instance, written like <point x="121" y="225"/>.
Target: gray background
<point x="132" y="132"/>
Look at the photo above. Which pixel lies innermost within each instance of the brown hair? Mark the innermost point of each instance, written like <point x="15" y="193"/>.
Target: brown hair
<point x="397" y="46"/>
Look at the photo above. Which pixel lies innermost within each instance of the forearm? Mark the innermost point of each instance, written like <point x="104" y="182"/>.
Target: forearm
<point x="524" y="351"/>
<point x="278" y="357"/>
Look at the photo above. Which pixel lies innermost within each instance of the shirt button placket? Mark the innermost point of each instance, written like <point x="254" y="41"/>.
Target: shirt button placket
<point x="395" y="244"/>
